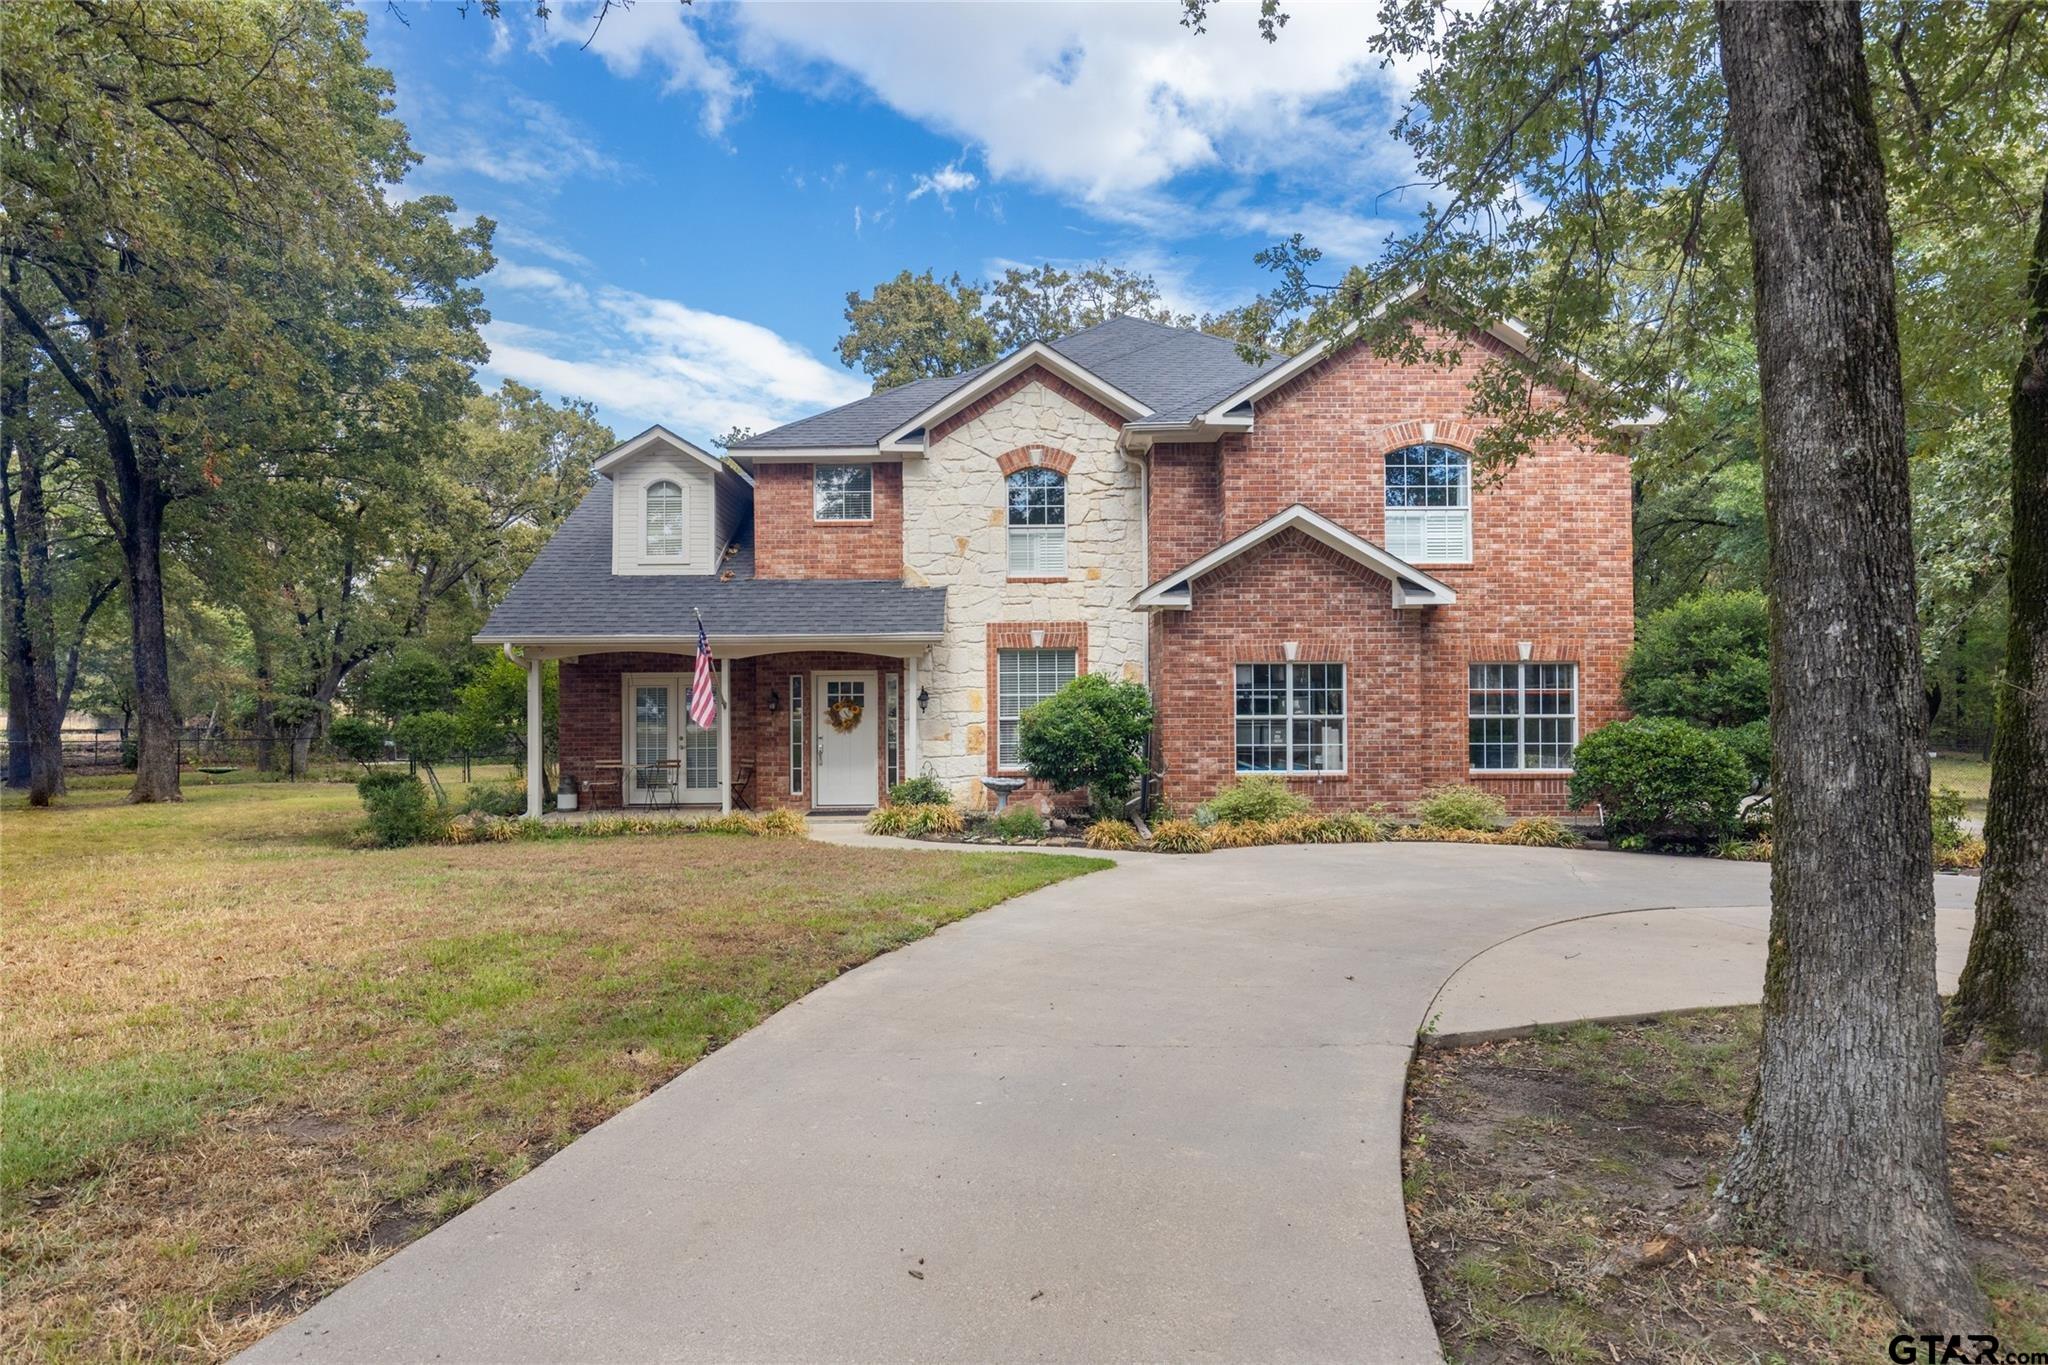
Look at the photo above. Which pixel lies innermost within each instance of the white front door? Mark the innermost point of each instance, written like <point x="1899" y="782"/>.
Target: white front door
<point x="846" y="729"/>
<point x="664" y="748"/>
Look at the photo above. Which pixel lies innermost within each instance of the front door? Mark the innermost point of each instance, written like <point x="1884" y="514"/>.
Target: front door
<point x="846" y="739"/>
<point x="669" y="758"/>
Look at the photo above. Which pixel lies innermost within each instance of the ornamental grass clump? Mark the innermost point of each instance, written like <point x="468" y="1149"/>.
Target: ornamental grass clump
<point x="1255" y="800"/>
<point x="1180" y="836"/>
<point x="917" y="821"/>
<point x="1461" y="808"/>
<point x="1115" y="836"/>
<point x="1540" y="831"/>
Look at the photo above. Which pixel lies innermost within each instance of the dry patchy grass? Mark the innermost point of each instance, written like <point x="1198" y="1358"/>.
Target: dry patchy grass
<point x="244" y="1063"/>
<point x="1557" y="1186"/>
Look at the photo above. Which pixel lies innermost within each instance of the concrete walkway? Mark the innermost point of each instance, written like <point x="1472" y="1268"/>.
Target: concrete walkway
<point x="1151" y="1113"/>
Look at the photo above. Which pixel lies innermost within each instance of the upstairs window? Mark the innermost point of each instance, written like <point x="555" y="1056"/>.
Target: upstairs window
<point x="843" y="492"/>
<point x="1038" y="523"/>
<point x="1429" y="504"/>
<point x="664" y="520"/>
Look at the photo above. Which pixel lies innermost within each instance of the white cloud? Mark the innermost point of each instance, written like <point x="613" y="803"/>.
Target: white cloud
<point x="644" y="360"/>
<point x="1106" y="103"/>
<point x="659" y="36"/>
<point x="512" y="235"/>
<point x="945" y="182"/>
<point x="538" y="279"/>
<point x="525" y="142"/>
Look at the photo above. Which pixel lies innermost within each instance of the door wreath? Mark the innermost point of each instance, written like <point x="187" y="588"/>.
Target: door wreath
<point x="844" y="714"/>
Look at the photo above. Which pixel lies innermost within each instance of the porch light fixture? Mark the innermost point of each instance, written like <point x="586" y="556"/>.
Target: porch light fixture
<point x="924" y="699"/>
<point x="774" y="702"/>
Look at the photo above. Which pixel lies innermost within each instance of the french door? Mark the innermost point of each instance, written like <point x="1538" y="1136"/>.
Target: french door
<point x="668" y="756"/>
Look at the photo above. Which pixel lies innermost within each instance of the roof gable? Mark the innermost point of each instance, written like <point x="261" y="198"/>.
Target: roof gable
<point x="657" y="437"/>
<point x="1411" y="586"/>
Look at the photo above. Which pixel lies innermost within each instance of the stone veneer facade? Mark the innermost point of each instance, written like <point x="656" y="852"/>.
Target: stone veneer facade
<point x="956" y="536"/>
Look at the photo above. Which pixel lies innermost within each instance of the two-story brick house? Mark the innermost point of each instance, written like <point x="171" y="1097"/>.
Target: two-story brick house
<point x="1296" y="559"/>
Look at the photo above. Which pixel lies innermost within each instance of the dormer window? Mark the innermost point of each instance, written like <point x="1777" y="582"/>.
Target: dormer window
<point x="843" y="492"/>
<point x="664" y="520"/>
<point x="1429" y="504"/>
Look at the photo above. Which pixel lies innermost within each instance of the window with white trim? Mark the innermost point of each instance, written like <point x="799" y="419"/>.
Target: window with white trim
<point x="1290" y="718"/>
<point x="1429" y="504"/>
<point x="892" y="689"/>
<point x="796" y="734"/>
<point x="1024" y="678"/>
<point x="1522" y="717"/>
<point x="1038" y="523"/>
<point x="843" y="492"/>
<point x="664" y="520"/>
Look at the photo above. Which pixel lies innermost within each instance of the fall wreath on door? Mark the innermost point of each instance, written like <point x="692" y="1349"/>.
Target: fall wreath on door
<point x="843" y="714"/>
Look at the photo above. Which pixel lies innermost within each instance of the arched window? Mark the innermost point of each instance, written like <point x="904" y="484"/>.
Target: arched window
<point x="1429" y="504"/>
<point x="1038" y="523"/>
<point x="664" y="520"/>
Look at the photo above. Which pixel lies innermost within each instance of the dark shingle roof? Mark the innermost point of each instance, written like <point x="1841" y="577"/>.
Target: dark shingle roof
<point x="1175" y="371"/>
<point x="570" y="591"/>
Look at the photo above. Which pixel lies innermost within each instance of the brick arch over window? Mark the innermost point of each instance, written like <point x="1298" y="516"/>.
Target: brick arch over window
<point x="1385" y="440"/>
<point x="1030" y="457"/>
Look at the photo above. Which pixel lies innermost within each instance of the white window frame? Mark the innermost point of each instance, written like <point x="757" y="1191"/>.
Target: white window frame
<point x="1036" y="549"/>
<point x="818" y="493"/>
<point x="1288" y="716"/>
<point x="1521" y="716"/>
<point x="1409" y="529"/>
<point x="648" y="553"/>
<point x="796" y="734"/>
<point x="892" y="738"/>
<point x="1010" y="706"/>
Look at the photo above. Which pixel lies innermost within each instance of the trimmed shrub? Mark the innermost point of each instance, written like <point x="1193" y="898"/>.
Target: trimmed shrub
<point x="1472" y="808"/>
<point x="1657" y="778"/>
<point x="923" y="790"/>
<point x="1752" y="744"/>
<point x="1017" y="823"/>
<point x="1180" y="836"/>
<point x="1253" y="800"/>
<point x="1945" y="809"/>
<point x="1114" y="835"/>
<point x="1706" y="659"/>
<point x="495" y="798"/>
<point x="400" y="813"/>
<point x="1540" y="831"/>
<point x="1091" y="733"/>
<point x="356" y="739"/>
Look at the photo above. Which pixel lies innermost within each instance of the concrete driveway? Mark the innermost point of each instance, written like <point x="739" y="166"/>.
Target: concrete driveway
<point x="1152" y="1113"/>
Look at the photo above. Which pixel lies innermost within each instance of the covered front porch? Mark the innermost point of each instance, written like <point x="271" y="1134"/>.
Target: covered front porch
<point x="813" y="724"/>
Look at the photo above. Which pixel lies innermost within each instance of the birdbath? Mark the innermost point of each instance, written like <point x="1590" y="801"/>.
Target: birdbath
<point x="1002" y="787"/>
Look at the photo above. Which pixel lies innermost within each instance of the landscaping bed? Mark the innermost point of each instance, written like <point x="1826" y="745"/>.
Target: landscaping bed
<point x="243" y="1063"/>
<point x="1558" y="1186"/>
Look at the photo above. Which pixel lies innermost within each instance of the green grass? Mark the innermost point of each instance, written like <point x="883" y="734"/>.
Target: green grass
<point x="1968" y="774"/>
<point x="243" y="1062"/>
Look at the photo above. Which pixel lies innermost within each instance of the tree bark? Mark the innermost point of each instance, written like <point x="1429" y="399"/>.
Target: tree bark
<point x="35" y="712"/>
<point x="140" y="528"/>
<point x="2003" y="994"/>
<point x="1844" y="1155"/>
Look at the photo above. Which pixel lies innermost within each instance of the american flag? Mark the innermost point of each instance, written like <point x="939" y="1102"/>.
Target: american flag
<point x="703" y="695"/>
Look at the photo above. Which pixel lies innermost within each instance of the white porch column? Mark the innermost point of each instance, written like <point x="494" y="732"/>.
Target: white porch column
<point x="912" y="715"/>
<point x="725" y="736"/>
<point x="533" y="735"/>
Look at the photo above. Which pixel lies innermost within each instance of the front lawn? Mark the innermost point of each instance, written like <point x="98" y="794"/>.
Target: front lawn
<point x="244" y="1063"/>
<point x="1558" y="1186"/>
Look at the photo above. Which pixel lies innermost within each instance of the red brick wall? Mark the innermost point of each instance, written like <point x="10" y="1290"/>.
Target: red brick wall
<point x="592" y="715"/>
<point x="790" y="542"/>
<point x="1551" y="566"/>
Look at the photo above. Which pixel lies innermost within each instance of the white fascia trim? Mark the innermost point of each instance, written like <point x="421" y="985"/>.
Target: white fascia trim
<point x="821" y="455"/>
<point x="1411" y="586"/>
<point x="627" y="449"/>
<point x="1037" y="353"/>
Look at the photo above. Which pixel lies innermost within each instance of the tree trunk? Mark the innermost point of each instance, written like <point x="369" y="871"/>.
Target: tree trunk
<point x="35" y="714"/>
<point x="141" y="527"/>
<point x="1843" y="1155"/>
<point x="2003" y="995"/>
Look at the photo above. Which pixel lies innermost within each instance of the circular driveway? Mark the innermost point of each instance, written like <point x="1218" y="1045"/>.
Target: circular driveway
<point x="1151" y="1113"/>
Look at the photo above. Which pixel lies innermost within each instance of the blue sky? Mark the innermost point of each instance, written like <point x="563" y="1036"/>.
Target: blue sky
<point x="684" y="204"/>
